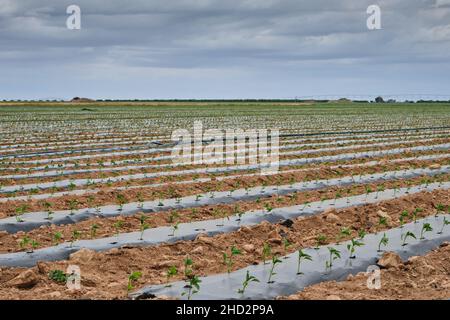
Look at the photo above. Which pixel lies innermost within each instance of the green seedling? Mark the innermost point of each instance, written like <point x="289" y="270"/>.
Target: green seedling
<point x="75" y="235"/>
<point x="275" y="261"/>
<point x="415" y="214"/>
<point x="57" y="276"/>
<point x="24" y="242"/>
<point x="193" y="287"/>
<point x="48" y="207"/>
<point x="403" y="217"/>
<point x="228" y="258"/>
<point x="439" y="209"/>
<point x="352" y="247"/>
<point x="120" y="201"/>
<point x="143" y="226"/>
<point x="175" y="228"/>
<point x="334" y="254"/>
<point x="20" y="211"/>
<point x="171" y="272"/>
<point x="188" y="263"/>
<point x="132" y="278"/>
<point x="286" y="244"/>
<point x="382" y="222"/>
<point x="302" y="256"/>
<point x="425" y="228"/>
<point x="173" y="216"/>
<point x="57" y="236"/>
<point x="117" y="226"/>
<point x="94" y="229"/>
<point x="238" y="212"/>
<point x="383" y="242"/>
<point x="361" y="234"/>
<point x="320" y="240"/>
<point x="248" y="279"/>
<point x="140" y="200"/>
<point x="73" y="205"/>
<point x="445" y="222"/>
<point x="407" y="235"/>
<point x="266" y="252"/>
<point x="345" y="232"/>
<point x="268" y="207"/>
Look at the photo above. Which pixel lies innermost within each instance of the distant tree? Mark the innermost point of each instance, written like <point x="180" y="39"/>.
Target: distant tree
<point x="379" y="100"/>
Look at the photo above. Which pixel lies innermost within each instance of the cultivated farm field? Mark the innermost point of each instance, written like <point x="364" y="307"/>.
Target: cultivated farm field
<point x="92" y="205"/>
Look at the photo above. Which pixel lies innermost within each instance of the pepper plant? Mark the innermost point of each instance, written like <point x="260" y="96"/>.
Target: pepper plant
<point x="228" y="258"/>
<point x="302" y="256"/>
<point x="248" y="279"/>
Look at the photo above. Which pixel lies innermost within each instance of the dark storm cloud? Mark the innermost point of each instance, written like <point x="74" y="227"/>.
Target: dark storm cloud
<point x="212" y="48"/>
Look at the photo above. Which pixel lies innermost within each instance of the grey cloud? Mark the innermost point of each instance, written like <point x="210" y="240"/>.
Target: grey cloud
<point x="233" y="42"/>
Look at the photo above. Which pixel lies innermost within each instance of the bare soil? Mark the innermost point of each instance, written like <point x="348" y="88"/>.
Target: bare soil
<point x="105" y="275"/>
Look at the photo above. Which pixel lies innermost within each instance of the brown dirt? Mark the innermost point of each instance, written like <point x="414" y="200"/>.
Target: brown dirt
<point x="8" y="182"/>
<point x="105" y="226"/>
<point x="105" y="275"/>
<point x="167" y="179"/>
<point x="420" y="278"/>
<point x="109" y="195"/>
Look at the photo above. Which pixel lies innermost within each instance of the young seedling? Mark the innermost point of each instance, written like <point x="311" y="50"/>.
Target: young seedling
<point x="275" y="261"/>
<point x="34" y="245"/>
<point x="94" y="229"/>
<point x="425" y="228"/>
<point x="188" y="263"/>
<point x="73" y="205"/>
<point x="75" y="235"/>
<point x="20" y="211"/>
<point x="415" y="214"/>
<point x="57" y="276"/>
<point x="345" y="232"/>
<point x="402" y="218"/>
<point x="171" y="272"/>
<point x="140" y="200"/>
<point x="382" y="222"/>
<point x="198" y="197"/>
<point x="286" y="245"/>
<point x="120" y="201"/>
<point x="24" y="242"/>
<point x="228" y="258"/>
<point x="266" y="252"/>
<point x="352" y="247"/>
<point x="117" y="226"/>
<point x="407" y="235"/>
<point x="334" y="254"/>
<point x="247" y="281"/>
<point x="173" y="216"/>
<point x="361" y="234"/>
<point x="439" y="208"/>
<point x="57" y="236"/>
<point x="383" y="242"/>
<point x="268" y="207"/>
<point x="132" y="278"/>
<point x="143" y="226"/>
<point x="320" y="240"/>
<point x="48" y="207"/>
<point x="193" y="287"/>
<point x="302" y="256"/>
<point x="445" y="222"/>
<point x="238" y="212"/>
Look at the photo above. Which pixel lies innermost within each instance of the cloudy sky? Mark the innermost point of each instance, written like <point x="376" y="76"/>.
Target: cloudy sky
<point x="223" y="49"/>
